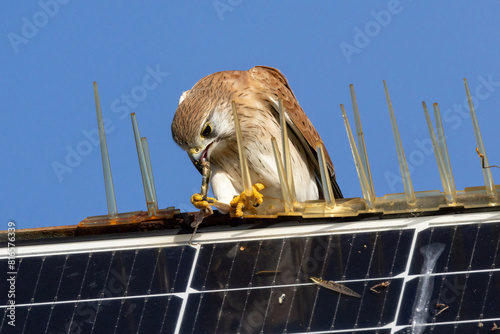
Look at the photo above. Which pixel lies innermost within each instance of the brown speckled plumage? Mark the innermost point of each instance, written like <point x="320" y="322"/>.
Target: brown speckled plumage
<point x="256" y="93"/>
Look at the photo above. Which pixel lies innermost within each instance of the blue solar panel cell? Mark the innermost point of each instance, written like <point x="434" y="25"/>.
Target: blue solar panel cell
<point x="73" y="274"/>
<point x="50" y="277"/>
<point x="173" y="269"/>
<point x="96" y="275"/>
<point x="27" y="277"/>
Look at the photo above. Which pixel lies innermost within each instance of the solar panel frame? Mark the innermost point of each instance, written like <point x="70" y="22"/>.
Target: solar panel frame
<point x="215" y="285"/>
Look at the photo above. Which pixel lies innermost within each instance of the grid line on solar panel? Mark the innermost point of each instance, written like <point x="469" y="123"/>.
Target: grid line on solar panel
<point x="194" y="262"/>
<point x="366" y="276"/>
<point x="3" y="319"/>
<point x="490" y="276"/>
<point x="31" y="268"/>
<point x="467" y="275"/>
<point x="387" y="288"/>
<point x="57" y="291"/>
<point x="37" y="279"/>
<point x="272" y="290"/>
<point x="296" y="282"/>
<point x="126" y="288"/>
<point x="323" y="268"/>
<point x="179" y="264"/>
<point x="337" y="305"/>
<point x="197" y="264"/>
<point x="249" y="283"/>
<point x="234" y="251"/>
<point x="101" y="295"/>
<point x="33" y="295"/>
<point x="149" y="288"/>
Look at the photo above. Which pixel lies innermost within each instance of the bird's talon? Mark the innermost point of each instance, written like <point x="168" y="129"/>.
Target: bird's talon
<point x="259" y="186"/>
<point x="200" y="203"/>
<point x="239" y="209"/>
<point x="242" y="201"/>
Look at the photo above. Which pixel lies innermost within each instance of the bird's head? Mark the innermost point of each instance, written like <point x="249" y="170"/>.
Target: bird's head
<point x="202" y="123"/>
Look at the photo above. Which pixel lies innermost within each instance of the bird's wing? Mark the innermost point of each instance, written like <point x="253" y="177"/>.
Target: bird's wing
<point x="276" y="87"/>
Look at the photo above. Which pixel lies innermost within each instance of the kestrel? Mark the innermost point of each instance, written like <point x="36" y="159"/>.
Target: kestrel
<point x="203" y="127"/>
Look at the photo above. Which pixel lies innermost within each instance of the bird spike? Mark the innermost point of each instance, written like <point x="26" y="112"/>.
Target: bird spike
<point x="286" y="153"/>
<point x="285" y="190"/>
<point x="145" y="148"/>
<point x="106" y="167"/>
<point x="488" y="178"/>
<point x="445" y="180"/>
<point x="444" y="152"/>
<point x="405" y="174"/>
<point x="144" y="169"/>
<point x="245" y="173"/>
<point x="325" y="180"/>
<point x="361" y="142"/>
<point x="368" y="193"/>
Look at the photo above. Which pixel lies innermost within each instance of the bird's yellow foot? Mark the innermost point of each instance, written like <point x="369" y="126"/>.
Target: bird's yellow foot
<point x="242" y="201"/>
<point x="200" y="203"/>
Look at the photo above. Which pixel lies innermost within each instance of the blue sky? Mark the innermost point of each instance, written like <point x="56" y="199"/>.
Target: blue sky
<point x="143" y="55"/>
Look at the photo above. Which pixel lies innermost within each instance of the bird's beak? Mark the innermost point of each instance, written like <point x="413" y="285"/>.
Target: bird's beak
<point x="199" y="155"/>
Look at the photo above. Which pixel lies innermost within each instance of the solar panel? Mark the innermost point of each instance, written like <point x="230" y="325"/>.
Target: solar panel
<point x="258" y="280"/>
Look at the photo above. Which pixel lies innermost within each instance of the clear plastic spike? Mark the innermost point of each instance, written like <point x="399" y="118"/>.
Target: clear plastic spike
<point x="145" y="148"/>
<point x="285" y="190"/>
<point x="245" y="173"/>
<point x="361" y="142"/>
<point x="439" y="157"/>
<point x="286" y="153"/>
<point x="365" y="187"/>
<point x="443" y="147"/>
<point x="405" y="174"/>
<point x="488" y="178"/>
<point x="144" y="169"/>
<point x="325" y="178"/>
<point x="106" y="167"/>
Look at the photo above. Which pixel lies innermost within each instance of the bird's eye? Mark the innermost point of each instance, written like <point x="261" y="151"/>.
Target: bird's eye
<point x="207" y="130"/>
